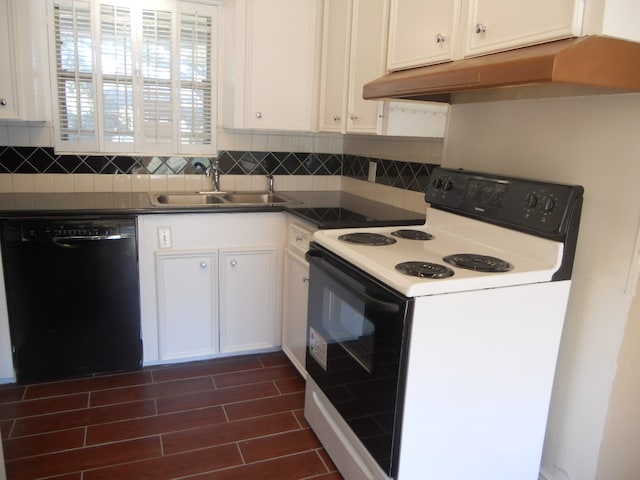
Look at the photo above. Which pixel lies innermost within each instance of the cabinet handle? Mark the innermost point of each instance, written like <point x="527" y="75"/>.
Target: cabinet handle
<point x="258" y="114"/>
<point x="336" y="118"/>
<point x="480" y="28"/>
<point x="298" y="238"/>
<point x="305" y="279"/>
<point x="234" y="263"/>
<point x="354" y="116"/>
<point x="3" y="101"/>
<point x="440" y="38"/>
<point x="203" y="265"/>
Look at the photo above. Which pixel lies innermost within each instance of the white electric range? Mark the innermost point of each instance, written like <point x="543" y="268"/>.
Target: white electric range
<point x="432" y="349"/>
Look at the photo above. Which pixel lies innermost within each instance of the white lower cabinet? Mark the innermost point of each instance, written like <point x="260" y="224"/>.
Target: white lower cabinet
<point x="294" y="314"/>
<point x="187" y="304"/>
<point x="296" y="292"/>
<point x="249" y="301"/>
<point x="210" y="284"/>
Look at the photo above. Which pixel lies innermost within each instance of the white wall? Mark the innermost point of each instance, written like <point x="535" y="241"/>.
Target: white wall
<point x="593" y="141"/>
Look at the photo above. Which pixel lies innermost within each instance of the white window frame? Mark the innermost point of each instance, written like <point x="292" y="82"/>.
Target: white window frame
<point x="140" y="146"/>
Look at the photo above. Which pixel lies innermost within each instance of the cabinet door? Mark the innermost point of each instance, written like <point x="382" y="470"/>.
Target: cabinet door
<point x="368" y="61"/>
<point x="336" y="38"/>
<point x="249" y="299"/>
<point x="421" y="32"/>
<point x="8" y="102"/>
<point x="294" y="315"/>
<point x="281" y="61"/>
<point x="187" y="304"/>
<point x="495" y="25"/>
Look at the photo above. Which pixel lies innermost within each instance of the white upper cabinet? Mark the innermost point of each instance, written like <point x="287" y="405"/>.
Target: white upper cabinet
<point x="334" y="81"/>
<point x="271" y="64"/>
<point x="421" y="32"/>
<point x="496" y="25"/>
<point x="8" y="100"/>
<point x="24" y="83"/>
<point x="353" y="53"/>
<point x="424" y="32"/>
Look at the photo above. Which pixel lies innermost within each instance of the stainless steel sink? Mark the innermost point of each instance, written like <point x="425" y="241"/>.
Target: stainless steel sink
<point x="182" y="199"/>
<point x="260" y="198"/>
<point x="219" y="199"/>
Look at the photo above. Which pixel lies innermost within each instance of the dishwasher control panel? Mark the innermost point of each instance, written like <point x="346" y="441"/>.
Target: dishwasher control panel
<point x="92" y="228"/>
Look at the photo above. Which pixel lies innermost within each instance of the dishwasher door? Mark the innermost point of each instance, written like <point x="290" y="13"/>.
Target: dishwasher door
<point x="72" y="296"/>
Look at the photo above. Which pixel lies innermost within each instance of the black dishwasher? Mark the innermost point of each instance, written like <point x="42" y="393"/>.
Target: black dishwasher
<point x="72" y="296"/>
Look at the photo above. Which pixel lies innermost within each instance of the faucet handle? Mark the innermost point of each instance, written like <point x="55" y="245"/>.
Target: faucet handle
<point x="270" y="178"/>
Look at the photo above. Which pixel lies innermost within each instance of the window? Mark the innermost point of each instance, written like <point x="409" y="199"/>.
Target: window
<point x="135" y="76"/>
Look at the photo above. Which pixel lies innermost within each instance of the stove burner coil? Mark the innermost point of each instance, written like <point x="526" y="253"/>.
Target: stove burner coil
<point x="478" y="263"/>
<point x="410" y="234"/>
<point x="363" y="238"/>
<point x="424" y="270"/>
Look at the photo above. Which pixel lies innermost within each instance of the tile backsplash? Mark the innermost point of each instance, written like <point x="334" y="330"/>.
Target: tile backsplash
<point x="14" y="160"/>
<point x="43" y="160"/>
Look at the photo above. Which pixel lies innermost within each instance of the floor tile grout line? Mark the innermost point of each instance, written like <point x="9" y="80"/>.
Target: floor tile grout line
<point x="155" y="414"/>
<point x="327" y="467"/>
<point x="62" y="412"/>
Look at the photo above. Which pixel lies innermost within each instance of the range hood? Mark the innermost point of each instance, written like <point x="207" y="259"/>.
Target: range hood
<point x="576" y="66"/>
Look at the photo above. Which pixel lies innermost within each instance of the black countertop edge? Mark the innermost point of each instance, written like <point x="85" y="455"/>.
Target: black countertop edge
<point x="339" y="209"/>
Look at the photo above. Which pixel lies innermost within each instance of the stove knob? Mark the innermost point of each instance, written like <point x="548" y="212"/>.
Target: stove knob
<point x="531" y="200"/>
<point x="436" y="183"/>
<point x="549" y="204"/>
<point x="447" y="185"/>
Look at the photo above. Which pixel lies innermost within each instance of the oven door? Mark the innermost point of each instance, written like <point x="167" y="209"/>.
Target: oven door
<point x="356" y="350"/>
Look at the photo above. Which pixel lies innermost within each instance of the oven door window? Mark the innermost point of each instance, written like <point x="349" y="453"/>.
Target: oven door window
<point x="344" y="322"/>
<point x="355" y="350"/>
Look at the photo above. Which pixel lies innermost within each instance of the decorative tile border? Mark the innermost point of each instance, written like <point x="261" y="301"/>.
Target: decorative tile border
<point x="404" y="175"/>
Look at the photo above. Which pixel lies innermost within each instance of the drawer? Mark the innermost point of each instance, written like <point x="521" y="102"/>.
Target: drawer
<point x="299" y="237"/>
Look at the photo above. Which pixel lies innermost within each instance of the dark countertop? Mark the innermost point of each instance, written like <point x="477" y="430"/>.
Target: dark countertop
<point x="330" y="209"/>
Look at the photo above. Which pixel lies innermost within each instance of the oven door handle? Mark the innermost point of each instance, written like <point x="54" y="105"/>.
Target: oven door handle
<point x="314" y="256"/>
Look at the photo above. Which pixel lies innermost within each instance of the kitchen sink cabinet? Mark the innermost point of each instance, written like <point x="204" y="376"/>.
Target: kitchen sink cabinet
<point x="271" y="63"/>
<point x="210" y="284"/>
<point x="295" y="294"/>
<point x="354" y="44"/>
<point x="187" y="304"/>
<point x="249" y="299"/>
<point x="24" y="84"/>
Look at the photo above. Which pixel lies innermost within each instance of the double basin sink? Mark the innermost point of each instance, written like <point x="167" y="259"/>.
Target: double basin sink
<point x="222" y="199"/>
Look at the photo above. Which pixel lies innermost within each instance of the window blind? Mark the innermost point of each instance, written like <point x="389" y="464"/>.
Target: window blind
<point x="135" y="78"/>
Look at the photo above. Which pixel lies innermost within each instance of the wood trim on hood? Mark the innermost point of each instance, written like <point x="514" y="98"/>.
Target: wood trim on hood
<point x="590" y="61"/>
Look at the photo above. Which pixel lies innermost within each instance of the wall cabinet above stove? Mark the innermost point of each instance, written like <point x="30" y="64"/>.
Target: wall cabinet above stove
<point x="24" y="83"/>
<point x="424" y="32"/>
<point x="494" y="25"/>
<point x="271" y="64"/>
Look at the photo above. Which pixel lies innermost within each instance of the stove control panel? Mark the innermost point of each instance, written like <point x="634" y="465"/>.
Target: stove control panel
<point x="534" y="206"/>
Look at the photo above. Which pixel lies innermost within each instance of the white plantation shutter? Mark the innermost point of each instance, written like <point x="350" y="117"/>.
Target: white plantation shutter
<point x="116" y="77"/>
<point x="158" y="126"/>
<point x="196" y="78"/>
<point x="135" y="76"/>
<point x="74" y="67"/>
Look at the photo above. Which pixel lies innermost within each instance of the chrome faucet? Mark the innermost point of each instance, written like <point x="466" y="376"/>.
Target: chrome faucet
<point x="212" y="171"/>
<point x="270" y="178"/>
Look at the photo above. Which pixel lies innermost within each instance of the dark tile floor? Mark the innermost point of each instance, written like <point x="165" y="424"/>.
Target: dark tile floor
<point x="233" y="418"/>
